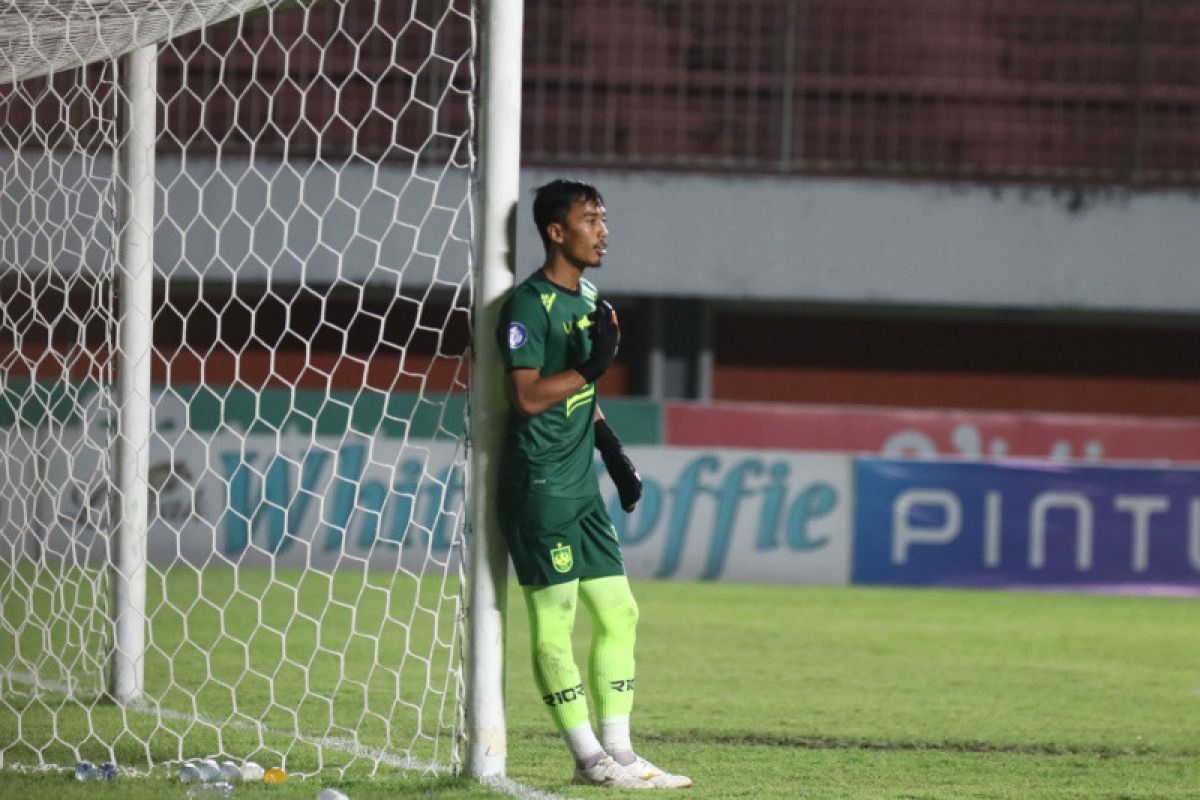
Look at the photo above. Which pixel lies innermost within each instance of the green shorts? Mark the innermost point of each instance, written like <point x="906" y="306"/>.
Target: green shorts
<point x="558" y="539"/>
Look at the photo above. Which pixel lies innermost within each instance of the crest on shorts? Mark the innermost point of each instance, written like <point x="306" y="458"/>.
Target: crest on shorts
<point x="561" y="558"/>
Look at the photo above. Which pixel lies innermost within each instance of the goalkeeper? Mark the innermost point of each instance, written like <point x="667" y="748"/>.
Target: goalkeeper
<point x="558" y="338"/>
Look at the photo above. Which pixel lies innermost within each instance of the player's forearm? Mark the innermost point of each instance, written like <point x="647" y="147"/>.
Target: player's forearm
<point x="532" y="397"/>
<point x="624" y="475"/>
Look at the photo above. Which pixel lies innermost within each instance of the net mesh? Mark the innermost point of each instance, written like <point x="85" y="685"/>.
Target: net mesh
<point x="312" y="261"/>
<point x="39" y="37"/>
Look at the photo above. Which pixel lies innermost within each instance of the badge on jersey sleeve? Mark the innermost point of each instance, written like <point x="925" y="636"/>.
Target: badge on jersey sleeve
<point x="517" y="336"/>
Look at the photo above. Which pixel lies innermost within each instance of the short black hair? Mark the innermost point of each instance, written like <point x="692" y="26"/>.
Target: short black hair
<point x="552" y="203"/>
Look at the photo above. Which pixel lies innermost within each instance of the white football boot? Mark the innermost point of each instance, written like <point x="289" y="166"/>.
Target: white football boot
<point x="657" y="777"/>
<point x="607" y="772"/>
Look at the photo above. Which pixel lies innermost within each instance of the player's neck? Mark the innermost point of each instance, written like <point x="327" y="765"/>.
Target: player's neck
<point x="562" y="273"/>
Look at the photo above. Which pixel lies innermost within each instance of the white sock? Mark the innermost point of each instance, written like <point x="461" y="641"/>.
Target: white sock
<point x="585" y="747"/>
<point x="614" y="734"/>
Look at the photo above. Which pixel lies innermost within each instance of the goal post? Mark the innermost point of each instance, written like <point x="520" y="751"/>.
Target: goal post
<point x="135" y="278"/>
<point x="500" y="142"/>
<point x="250" y="404"/>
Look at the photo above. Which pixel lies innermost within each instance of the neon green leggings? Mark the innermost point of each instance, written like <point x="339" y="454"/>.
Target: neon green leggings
<point x="614" y="615"/>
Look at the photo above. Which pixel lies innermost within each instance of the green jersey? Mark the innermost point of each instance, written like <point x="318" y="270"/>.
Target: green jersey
<point x="544" y="327"/>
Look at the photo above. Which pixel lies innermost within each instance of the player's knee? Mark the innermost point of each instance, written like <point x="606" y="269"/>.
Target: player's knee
<point x="620" y="619"/>
<point x="631" y="614"/>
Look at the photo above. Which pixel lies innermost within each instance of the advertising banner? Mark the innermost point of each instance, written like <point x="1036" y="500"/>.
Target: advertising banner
<point x="933" y="433"/>
<point x="953" y="523"/>
<point x="299" y="490"/>
<point x="256" y="500"/>
<point x="737" y="515"/>
<point x="255" y="486"/>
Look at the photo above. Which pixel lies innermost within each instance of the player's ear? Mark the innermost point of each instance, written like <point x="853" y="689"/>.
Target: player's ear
<point x="555" y="231"/>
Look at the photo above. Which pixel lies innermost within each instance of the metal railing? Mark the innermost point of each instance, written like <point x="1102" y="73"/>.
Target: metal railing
<point x="1085" y="91"/>
<point x="1101" y="91"/>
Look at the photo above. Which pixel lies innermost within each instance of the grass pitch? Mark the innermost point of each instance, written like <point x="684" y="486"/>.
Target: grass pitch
<point x="787" y="692"/>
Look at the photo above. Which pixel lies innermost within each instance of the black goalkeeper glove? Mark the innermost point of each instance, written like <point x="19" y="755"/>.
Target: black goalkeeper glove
<point x="620" y="468"/>
<point x="605" y="334"/>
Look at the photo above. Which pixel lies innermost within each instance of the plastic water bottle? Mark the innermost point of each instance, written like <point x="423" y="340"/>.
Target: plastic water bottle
<point x="230" y="771"/>
<point x="189" y="772"/>
<point x="108" y="771"/>
<point x="210" y="770"/>
<point x="252" y="771"/>
<point x="211" y="790"/>
<point x="331" y="794"/>
<point x="86" y="771"/>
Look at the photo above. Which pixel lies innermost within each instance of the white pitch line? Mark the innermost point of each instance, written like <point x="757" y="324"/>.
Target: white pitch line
<point x="514" y="789"/>
<point x="69" y="688"/>
<point x="504" y="786"/>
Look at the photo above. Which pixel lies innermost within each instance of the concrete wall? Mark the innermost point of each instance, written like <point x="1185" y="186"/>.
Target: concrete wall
<point x="673" y="234"/>
<point x="840" y="240"/>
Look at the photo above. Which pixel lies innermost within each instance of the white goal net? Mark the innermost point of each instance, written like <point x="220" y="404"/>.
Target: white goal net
<point x="305" y="338"/>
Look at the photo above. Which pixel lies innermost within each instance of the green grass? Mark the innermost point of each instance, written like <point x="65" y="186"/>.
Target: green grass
<point x="239" y="662"/>
<point x="754" y="691"/>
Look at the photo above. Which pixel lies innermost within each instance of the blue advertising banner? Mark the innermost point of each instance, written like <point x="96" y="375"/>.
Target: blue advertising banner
<point x="1043" y="524"/>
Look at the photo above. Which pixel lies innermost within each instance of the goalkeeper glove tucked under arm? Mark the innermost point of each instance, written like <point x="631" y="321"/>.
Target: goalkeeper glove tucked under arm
<point x="620" y="468"/>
